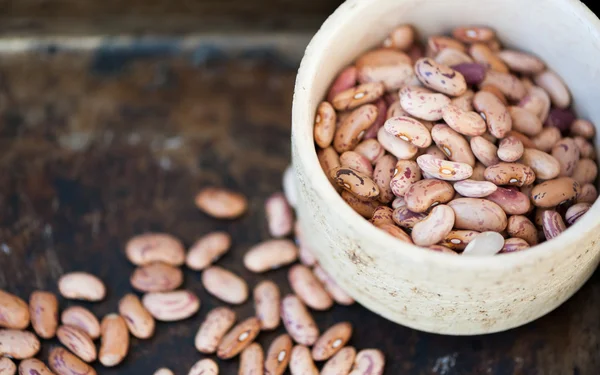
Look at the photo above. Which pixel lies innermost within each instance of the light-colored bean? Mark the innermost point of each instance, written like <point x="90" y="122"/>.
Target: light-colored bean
<point x="14" y="312"/>
<point x="64" y="363"/>
<point x="221" y="203"/>
<point x="451" y="56"/>
<point x="437" y="43"/>
<point x="270" y="254"/>
<point x="225" y="285"/>
<point x="115" y="340"/>
<point x="586" y="149"/>
<point x="440" y="78"/>
<point x="452" y="144"/>
<point x="507" y="83"/>
<point x="497" y="117"/>
<point x="81" y="286"/>
<point x="238" y="338"/>
<point x="555" y="87"/>
<point x="308" y="288"/>
<point x="396" y="146"/>
<point x="435" y="227"/>
<point x="301" y="362"/>
<point x="78" y="342"/>
<point x="392" y="75"/>
<point x="537" y="101"/>
<point x="409" y="130"/>
<point x="510" y="149"/>
<point x="424" y="194"/>
<point x="457" y="239"/>
<point x="478" y="214"/>
<point x="163" y="371"/>
<point x="567" y="154"/>
<point x="298" y="321"/>
<point x="368" y="362"/>
<point x="402" y="37"/>
<point x="395" y="110"/>
<point x="43" y="309"/>
<point x="156" y="277"/>
<point x="267" y="301"/>
<point x="585" y="171"/>
<point x="514" y="174"/>
<point x="353" y="128"/>
<point x="216" y="324"/>
<point x="521" y="227"/>
<point x="155" y="247"/>
<point x="364" y="208"/>
<point x="358" y="95"/>
<point x="545" y="166"/>
<point x="18" y="344"/>
<point x="29" y="366"/>
<point x="331" y="341"/>
<point x="521" y="62"/>
<point x="370" y="149"/>
<point x="330" y="285"/>
<point x="552" y="224"/>
<point x="494" y="91"/>
<point x="139" y="320"/>
<point x="485" y="151"/>
<point x="512" y="201"/>
<point x="8" y="367"/>
<point x="554" y="192"/>
<point x="588" y="194"/>
<point x="481" y="53"/>
<point x="478" y="172"/>
<point x="207" y="250"/>
<point x="278" y="356"/>
<point x="514" y="244"/>
<point x="484" y="244"/>
<point x="398" y="202"/>
<point x="204" y="367"/>
<point x="423" y="103"/>
<point x="382" y="57"/>
<point x="464" y="102"/>
<point x="355" y="161"/>
<point x="467" y="123"/>
<point x="405" y="174"/>
<point x="473" y="34"/>
<point x="576" y="211"/>
<point x="525" y="121"/>
<point x="345" y="80"/>
<point x="444" y="170"/>
<point x="474" y="189"/>
<point x="82" y="318"/>
<point x="280" y="217"/>
<point x="406" y="218"/>
<point x="546" y="139"/>
<point x="252" y="360"/>
<point x="341" y="363"/>
<point x="583" y="128"/>
<point x="171" y="306"/>
<point x="381" y="215"/>
<point x="324" y="127"/>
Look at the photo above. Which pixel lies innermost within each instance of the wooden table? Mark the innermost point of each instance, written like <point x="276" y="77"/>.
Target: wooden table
<point x="98" y="147"/>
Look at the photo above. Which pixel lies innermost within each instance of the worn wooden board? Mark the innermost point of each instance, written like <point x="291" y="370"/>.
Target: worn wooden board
<point x="97" y="148"/>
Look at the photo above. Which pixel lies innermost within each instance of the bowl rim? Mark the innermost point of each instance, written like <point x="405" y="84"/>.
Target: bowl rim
<point x="302" y="118"/>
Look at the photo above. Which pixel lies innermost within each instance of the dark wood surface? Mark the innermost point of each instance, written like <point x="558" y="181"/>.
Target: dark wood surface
<point x="97" y="148"/>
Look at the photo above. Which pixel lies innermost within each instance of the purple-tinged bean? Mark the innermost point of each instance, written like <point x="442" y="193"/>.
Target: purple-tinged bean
<point x="407" y="218"/>
<point x="478" y="214"/>
<point x="521" y="227"/>
<point x="513" y="202"/>
<point x="588" y="194"/>
<point x="474" y="189"/>
<point x="576" y="211"/>
<point x="406" y="173"/>
<point x="552" y="224"/>
<point x="560" y="119"/>
<point x="444" y="170"/>
<point x="345" y="80"/>
<point x="473" y="72"/>
<point x="514" y="244"/>
<point x="567" y="154"/>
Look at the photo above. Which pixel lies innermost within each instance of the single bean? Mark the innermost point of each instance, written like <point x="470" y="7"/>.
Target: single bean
<point x="513" y="174"/>
<point x="216" y="324"/>
<point x="555" y="86"/>
<point x="155" y="247"/>
<point x="586" y="149"/>
<point x="156" y="277"/>
<point x="537" y="101"/>
<point x="341" y="363"/>
<point x="345" y="80"/>
<point x="252" y="360"/>
<point x="171" y="306"/>
<point x="497" y="117"/>
<point x="521" y="62"/>
<point x="437" y="43"/>
<point x="583" y="128"/>
<point x="225" y="285"/>
<point x="423" y="103"/>
<point x="14" y="312"/>
<point x="458" y="239"/>
<point x="485" y="151"/>
<point x="324" y="127"/>
<point x="406" y="218"/>
<point x="18" y="344"/>
<point x="444" y="170"/>
<point x="452" y="144"/>
<point x="467" y="123"/>
<point x="267" y="300"/>
<point x="382" y="175"/>
<point x="81" y="286"/>
<point x="435" y="151"/>
<point x="29" y="366"/>
<point x="78" y="342"/>
<point x="368" y="362"/>
<point x="588" y="194"/>
<point x="405" y="174"/>
<point x="473" y="34"/>
<point x="576" y="211"/>
<point x="381" y="215"/>
<point x="474" y="189"/>
<point x="115" y="340"/>
<point x="278" y="355"/>
<point x="208" y="249"/>
<point x="397" y="232"/>
<point x="204" y="367"/>
<point x="329" y="159"/>
<point x="585" y="171"/>
<point x="8" y="367"/>
<point x="513" y="202"/>
<point x="482" y="54"/>
<point x="524" y="121"/>
<point x="478" y="214"/>
<point x="514" y="244"/>
<point x="238" y="338"/>
<point x="451" y="57"/>
<point x="308" y="288"/>
<point x="484" y="244"/>
<point x="43" y="309"/>
<point x="464" y="102"/>
<point x="567" y="154"/>
<point x="139" y="321"/>
<point x="554" y="192"/>
<point x="442" y="249"/>
<point x="280" y="217"/>
<point x="334" y="290"/>
<point x="393" y="76"/>
<point x="560" y="118"/>
<point x="353" y="128"/>
<point x="83" y="319"/>
<point x="439" y="77"/>
<point x="494" y="91"/>
<point x="64" y="363"/>
<point x="356" y="96"/>
<point x="409" y="130"/>
<point x="473" y="72"/>
<point x="395" y="110"/>
<point x="362" y="207"/>
<point x="546" y="139"/>
<point x="435" y="227"/>
<point x="396" y="146"/>
<point x="382" y="110"/>
<point x="552" y="223"/>
<point x="370" y="149"/>
<point x="424" y="194"/>
<point x="301" y="362"/>
<point x="221" y="203"/>
<point x="478" y="172"/>
<point x="521" y="227"/>
<point x="298" y="321"/>
<point x="416" y="51"/>
<point x="355" y="161"/>
<point x="271" y="254"/>
<point x="510" y="149"/>
<point x="544" y="165"/>
<point x="507" y="83"/>
<point x="331" y="341"/>
<point x="382" y="57"/>
<point x="402" y="37"/>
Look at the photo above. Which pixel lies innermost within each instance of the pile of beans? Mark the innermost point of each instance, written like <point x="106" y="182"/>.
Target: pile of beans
<point x="158" y="276"/>
<point x="460" y="146"/>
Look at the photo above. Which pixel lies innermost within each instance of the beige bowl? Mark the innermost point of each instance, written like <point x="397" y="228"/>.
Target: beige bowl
<point x="426" y="290"/>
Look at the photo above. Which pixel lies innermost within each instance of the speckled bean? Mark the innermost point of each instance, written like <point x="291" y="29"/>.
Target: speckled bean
<point x="484" y="244"/>
<point x="457" y="239"/>
<point x="204" y="367"/>
<point x="406" y="173"/>
<point x="546" y="139"/>
<point x="467" y="123"/>
<point x="567" y="154"/>
<point x="155" y="247"/>
<point x="435" y="227"/>
<point x="585" y="171"/>
<point x="331" y="341"/>
<point x="221" y="203"/>
<point x="497" y="117"/>
<point x="308" y="288"/>
<point x="8" y="367"/>
<point x="494" y="91"/>
<point x="14" y="312"/>
<point x="478" y="214"/>
<point x="301" y="362"/>
<point x="82" y="318"/>
<point x="586" y="149"/>
<point x="324" y="127"/>
<point x="514" y="244"/>
<point x="393" y="73"/>
<point x="452" y="144"/>
<point x="410" y="130"/>
<point x="78" y="342"/>
<point x="171" y="306"/>
<point x="507" y="83"/>
<point x="270" y="254"/>
<point x="481" y="53"/>
<point x="329" y="159"/>
<point x="280" y="217"/>
<point x="444" y="170"/>
<point x="474" y="189"/>
<point x="353" y="128"/>
<point x="423" y="103"/>
<point x="583" y="128"/>
<point x="238" y="338"/>
<point x="278" y="355"/>
<point x="396" y="146"/>
<point x="513" y="174"/>
<point x="537" y="101"/>
<point x="298" y="321"/>
<point x="64" y="363"/>
<point x="521" y="227"/>
<point x="464" y="102"/>
<point x="485" y="151"/>
<point x="512" y="201"/>
<point x="156" y="277"/>
<point x="362" y="207"/>
<point x="576" y="211"/>
<point x="424" y="194"/>
<point x="345" y="80"/>
<point x="81" y="286"/>
<point x="341" y="363"/>
<point x="521" y="62"/>
<point x="334" y="290"/>
<point x="370" y="149"/>
<point x="451" y="57"/>
<point x="43" y="309"/>
<point x="552" y="224"/>
<point x="225" y="285"/>
<point x="407" y="218"/>
<point x="217" y="322"/>
<point x="139" y="320"/>
<point x="368" y="362"/>
<point x="207" y="250"/>
<point x="382" y="215"/>
<point x="29" y="366"/>
<point x="440" y="78"/>
<point x="358" y="95"/>
<point x="525" y="121"/>
<point x="437" y="43"/>
<point x="372" y="131"/>
<point x="588" y="194"/>
<point x="545" y="166"/>
<point x="18" y="344"/>
<point x="554" y="192"/>
<point x="555" y="87"/>
<point x="402" y="37"/>
<point x="382" y="175"/>
<point x="252" y="360"/>
<point x="510" y="149"/>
